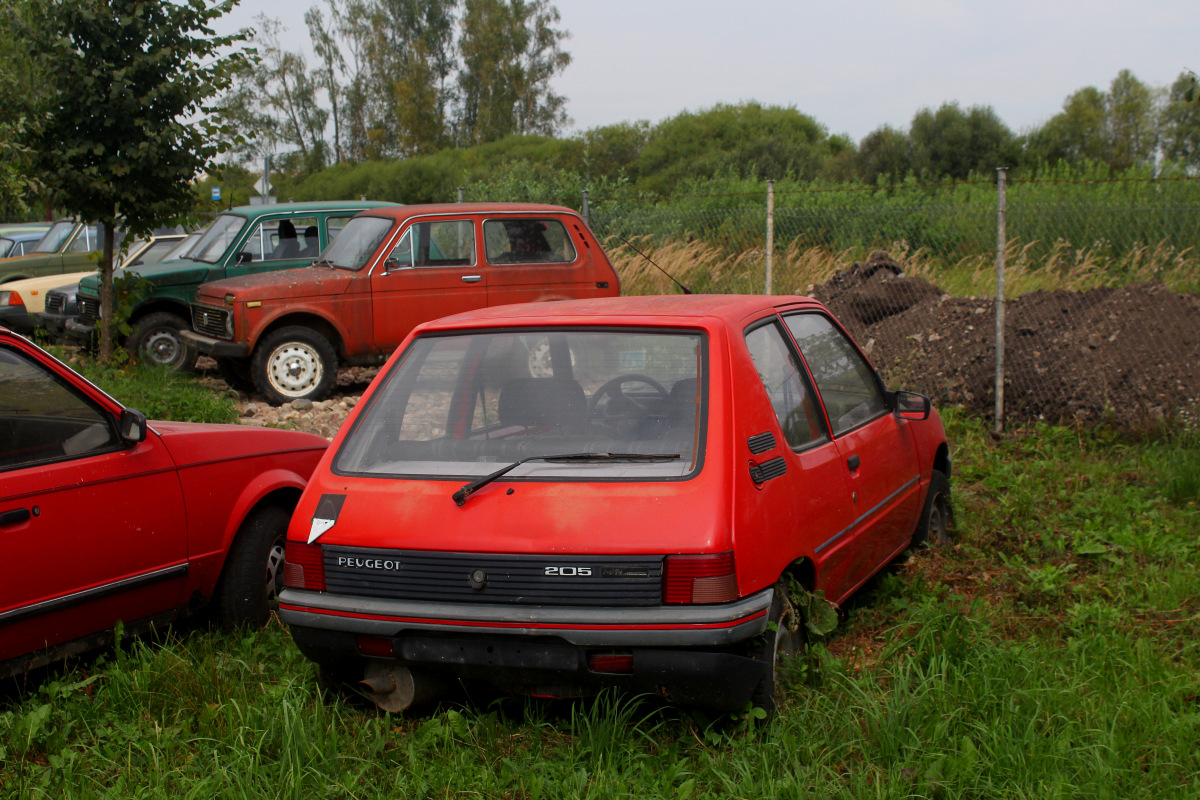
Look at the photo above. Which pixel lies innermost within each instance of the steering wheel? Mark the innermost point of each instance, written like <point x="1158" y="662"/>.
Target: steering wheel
<point x="613" y="387"/>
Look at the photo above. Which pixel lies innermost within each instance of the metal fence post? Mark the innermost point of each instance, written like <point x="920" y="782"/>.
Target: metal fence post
<point x="1001" y="243"/>
<point x="770" y="233"/>
<point x="585" y="208"/>
<point x="460" y="194"/>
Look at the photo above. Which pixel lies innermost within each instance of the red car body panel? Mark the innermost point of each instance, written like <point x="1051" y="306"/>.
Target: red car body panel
<point x="132" y="533"/>
<point x="844" y="506"/>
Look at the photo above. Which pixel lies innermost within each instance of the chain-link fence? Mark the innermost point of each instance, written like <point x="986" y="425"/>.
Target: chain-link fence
<point x="1100" y="319"/>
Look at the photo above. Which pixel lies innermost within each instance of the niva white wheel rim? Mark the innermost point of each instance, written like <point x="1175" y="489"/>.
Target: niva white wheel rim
<point x="294" y="369"/>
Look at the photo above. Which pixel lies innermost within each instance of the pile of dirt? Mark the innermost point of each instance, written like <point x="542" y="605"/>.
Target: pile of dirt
<point x="1126" y="354"/>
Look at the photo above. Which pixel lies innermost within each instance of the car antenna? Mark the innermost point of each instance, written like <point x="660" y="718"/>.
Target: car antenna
<point x="685" y="289"/>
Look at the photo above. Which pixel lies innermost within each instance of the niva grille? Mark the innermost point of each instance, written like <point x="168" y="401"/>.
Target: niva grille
<point x="519" y="579"/>
<point x="210" y="321"/>
<point x="89" y="308"/>
<point x="55" y="303"/>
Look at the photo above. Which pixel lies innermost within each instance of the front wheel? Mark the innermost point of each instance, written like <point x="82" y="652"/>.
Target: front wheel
<point x="253" y="573"/>
<point x="156" y="340"/>
<point x="294" y="363"/>
<point x="937" y="517"/>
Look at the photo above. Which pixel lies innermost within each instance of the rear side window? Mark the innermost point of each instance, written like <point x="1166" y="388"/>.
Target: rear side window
<point x="527" y="241"/>
<point x="789" y="392"/>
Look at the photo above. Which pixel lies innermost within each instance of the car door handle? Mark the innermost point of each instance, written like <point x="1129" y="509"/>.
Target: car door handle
<point x="15" y="517"/>
<point x="472" y="278"/>
<point x="853" y="462"/>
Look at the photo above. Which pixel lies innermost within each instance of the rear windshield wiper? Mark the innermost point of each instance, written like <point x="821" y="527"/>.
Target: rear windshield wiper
<point x="469" y="489"/>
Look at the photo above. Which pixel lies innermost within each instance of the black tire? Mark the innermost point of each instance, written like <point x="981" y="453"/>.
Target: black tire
<point x="253" y="573"/>
<point x="937" y="517"/>
<point x="293" y="363"/>
<point x="156" y="340"/>
<point x="236" y="373"/>
<point x="778" y="647"/>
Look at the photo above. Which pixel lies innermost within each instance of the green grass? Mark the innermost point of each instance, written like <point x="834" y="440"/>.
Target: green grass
<point x="157" y="392"/>
<point x="1053" y="652"/>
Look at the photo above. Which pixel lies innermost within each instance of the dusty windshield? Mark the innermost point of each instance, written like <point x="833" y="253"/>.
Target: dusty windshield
<point x="54" y="238"/>
<point x="357" y="242"/>
<point x="461" y="406"/>
<point x="217" y="239"/>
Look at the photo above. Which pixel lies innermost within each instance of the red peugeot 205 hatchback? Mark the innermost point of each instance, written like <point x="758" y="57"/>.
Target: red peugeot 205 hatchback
<point x="643" y="510"/>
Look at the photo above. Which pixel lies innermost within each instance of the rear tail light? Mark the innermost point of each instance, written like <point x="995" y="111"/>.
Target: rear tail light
<point x="303" y="567"/>
<point x="699" y="579"/>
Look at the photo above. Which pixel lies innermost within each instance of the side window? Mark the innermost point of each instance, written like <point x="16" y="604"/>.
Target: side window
<point x="435" y="244"/>
<point x="786" y="386"/>
<point x="86" y="241"/>
<point x="527" y="241"/>
<point x="846" y="381"/>
<point x="42" y="420"/>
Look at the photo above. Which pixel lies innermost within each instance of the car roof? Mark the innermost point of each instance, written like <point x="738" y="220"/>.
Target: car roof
<point x="676" y="309"/>
<point x="312" y="205"/>
<point x="21" y="236"/>
<point x="434" y="209"/>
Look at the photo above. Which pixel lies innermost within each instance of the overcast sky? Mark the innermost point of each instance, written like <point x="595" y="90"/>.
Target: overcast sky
<point x="853" y="65"/>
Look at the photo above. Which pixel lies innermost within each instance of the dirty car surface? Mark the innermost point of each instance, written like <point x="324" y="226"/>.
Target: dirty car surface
<point x="107" y="517"/>
<point x="641" y="492"/>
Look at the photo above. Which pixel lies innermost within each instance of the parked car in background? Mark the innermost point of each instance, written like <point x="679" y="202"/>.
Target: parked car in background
<point x="108" y="518"/>
<point x="242" y="241"/>
<point x="67" y="247"/>
<point x="61" y="304"/>
<point x="653" y="508"/>
<point x="21" y="301"/>
<point x="286" y="333"/>
<point x="19" y="243"/>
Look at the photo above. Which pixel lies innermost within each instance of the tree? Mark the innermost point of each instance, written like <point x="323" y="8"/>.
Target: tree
<point x="884" y="153"/>
<point x="510" y="51"/>
<point x="1181" y="124"/>
<point x="951" y="143"/>
<point x="126" y="127"/>
<point x="747" y="141"/>
<point x="22" y="88"/>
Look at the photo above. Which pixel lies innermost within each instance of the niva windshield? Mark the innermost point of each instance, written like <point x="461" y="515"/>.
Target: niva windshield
<point x="464" y="405"/>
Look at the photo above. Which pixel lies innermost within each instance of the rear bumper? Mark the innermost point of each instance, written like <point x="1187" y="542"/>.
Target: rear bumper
<point x="214" y="347"/>
<point x="614" y="626"/>
<point x="686" y="655"/>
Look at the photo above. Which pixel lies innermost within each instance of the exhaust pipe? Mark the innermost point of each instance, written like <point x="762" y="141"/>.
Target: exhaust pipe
<point x="395" y="688"/>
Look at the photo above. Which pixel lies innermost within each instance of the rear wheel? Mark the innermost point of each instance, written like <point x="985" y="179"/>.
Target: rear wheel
<point x="937" y="517"/>
<point x="294" y="363"/>
<point x="779" y="647"/>
<point x="253" y="574"/>
<point x="156" y="340"/>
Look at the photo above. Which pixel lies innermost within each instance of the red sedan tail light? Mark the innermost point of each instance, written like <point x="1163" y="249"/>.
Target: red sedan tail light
<point x="699" y="579"/>
<point x="303" y="567"/>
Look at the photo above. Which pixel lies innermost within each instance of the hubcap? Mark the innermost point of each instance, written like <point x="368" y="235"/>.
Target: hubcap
<point x="274" y="566"/>
<point x="162" y="347"/>
<point x="294" y="369"/>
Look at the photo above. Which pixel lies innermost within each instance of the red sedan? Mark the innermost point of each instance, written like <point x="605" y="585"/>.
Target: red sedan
<point x="106" y="517"/>
<point x="656" y="507"/>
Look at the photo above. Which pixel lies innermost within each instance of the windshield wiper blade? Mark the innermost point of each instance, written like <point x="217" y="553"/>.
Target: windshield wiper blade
<point x="469" y="489"/>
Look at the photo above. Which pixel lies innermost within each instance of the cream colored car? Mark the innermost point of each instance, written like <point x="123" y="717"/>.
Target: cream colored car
<point x="20" y="300"/>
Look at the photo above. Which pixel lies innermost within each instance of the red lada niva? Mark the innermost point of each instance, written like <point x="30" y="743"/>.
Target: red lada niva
<point x="635" y="512"/>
